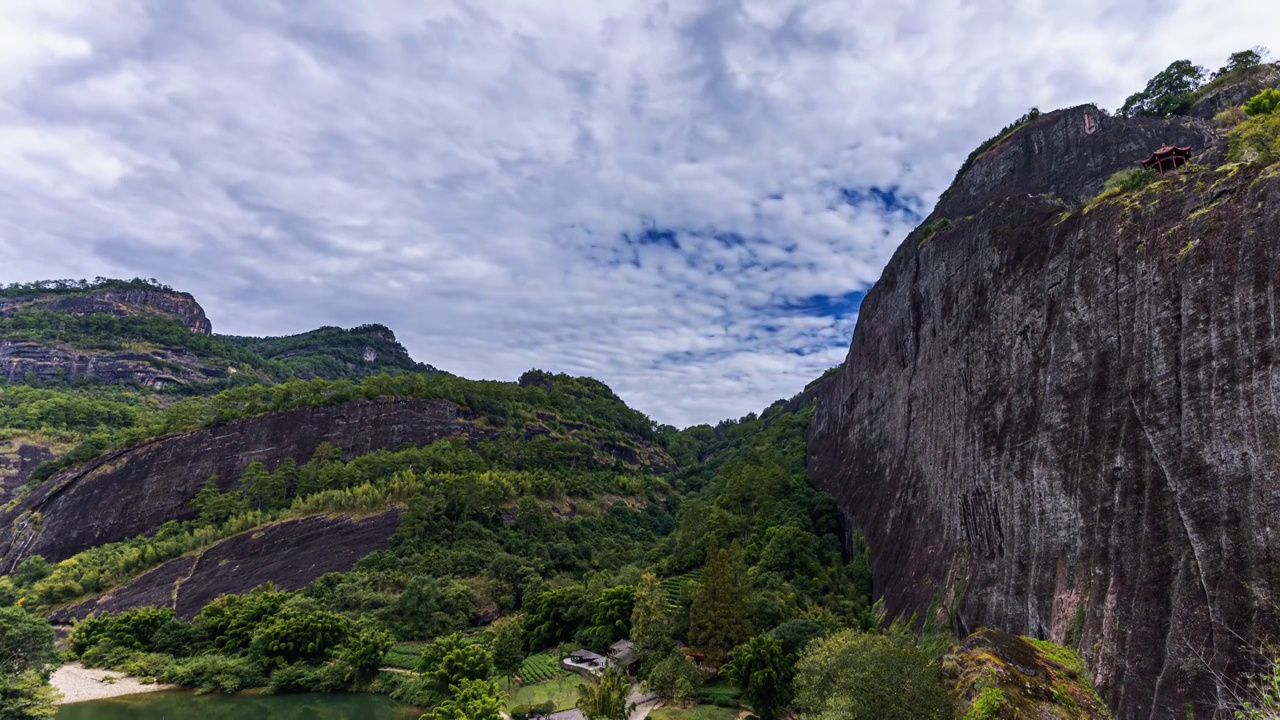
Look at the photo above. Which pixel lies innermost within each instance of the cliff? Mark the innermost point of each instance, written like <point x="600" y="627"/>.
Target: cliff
<point x="24" y="358"/>
<point x="120" y="302"/>
<point x="289" y="555"/>
<point x="1063" y="420"/>
<point x="130" y="492"/>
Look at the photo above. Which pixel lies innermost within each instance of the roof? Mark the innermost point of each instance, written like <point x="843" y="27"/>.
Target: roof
<point x="1168" y="156"/>
<point x="622" y="645"/>
<point x="574" y="714"/>
<point x="622" y="651"/>
<point x="585" y="655"/>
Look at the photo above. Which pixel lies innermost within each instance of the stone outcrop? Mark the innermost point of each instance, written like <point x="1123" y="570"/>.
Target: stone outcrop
<point x="26" y="361"/>
<point x="1066" y="423"/>
<point x="1235" y="93"/>
<point x="42" y="361"/>
<point x="289" y="554"/>
<point x="996" y="675"/>
<point x="130" y="492"/>
<point x="18" y="458"/>
<point x="119" y="302"/>
<point x="1067" y="155"/>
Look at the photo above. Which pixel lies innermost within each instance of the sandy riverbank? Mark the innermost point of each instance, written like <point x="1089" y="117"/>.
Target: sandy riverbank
<point x="78" y="683"/>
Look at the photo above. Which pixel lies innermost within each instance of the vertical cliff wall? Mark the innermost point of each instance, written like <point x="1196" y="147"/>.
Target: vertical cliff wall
<point x="1066" y="423"/>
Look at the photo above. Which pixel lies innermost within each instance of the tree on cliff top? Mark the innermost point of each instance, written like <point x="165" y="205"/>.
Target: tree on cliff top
<point x="1169" y="92"/>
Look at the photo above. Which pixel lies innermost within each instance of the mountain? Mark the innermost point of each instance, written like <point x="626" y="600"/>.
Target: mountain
<point x="1060" y="413"/>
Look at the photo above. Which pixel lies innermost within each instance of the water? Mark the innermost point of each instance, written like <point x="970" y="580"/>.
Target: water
<point x="178" y="705"/>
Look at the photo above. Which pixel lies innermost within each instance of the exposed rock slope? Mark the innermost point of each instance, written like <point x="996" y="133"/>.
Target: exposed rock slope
<point x="1067" y="424"/>
<point x="50" y="361"/>
<point x="120" y="302"/>
<point x="130" y="492"/>
<point x="289" y="554"/>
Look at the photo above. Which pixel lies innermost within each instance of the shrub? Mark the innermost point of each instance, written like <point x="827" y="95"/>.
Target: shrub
<point x="1230" y="117"/>
<point x="137" y="629"/>
<point x="861" y="676"/>
<point x="215" y="673"/>
<point x="1264" y="103"/>
<point x="1129" y="180"/>
<point x="1255" y="140"/>
<point x="294" y="636"/>
<point x="331" y="677"/>
<point x="523" y="712"/>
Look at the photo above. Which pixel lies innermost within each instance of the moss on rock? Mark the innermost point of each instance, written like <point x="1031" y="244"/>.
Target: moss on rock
<point x="998" y="675"/>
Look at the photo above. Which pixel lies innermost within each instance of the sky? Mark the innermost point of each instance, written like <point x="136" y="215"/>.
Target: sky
<point x="685" y="200"/>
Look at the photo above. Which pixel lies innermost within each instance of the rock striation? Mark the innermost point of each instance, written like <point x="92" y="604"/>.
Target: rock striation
<point x="1063" y="419"/>
<point x="130" y="492"/>
<point x="119" y="302"/>
<point x="289" y="554"/>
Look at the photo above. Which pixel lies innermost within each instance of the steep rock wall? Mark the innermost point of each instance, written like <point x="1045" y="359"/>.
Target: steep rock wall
<point x="1067" y="424"/>
<point x="130" y="492"/>
<point x="121" y="303"/>
<point x="289" y="554"/>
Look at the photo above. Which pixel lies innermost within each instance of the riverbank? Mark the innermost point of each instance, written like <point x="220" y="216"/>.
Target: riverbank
<point x="78" y="683"/>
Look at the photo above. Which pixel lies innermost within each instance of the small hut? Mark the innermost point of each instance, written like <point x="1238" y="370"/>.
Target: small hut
<point x="1168" y="158"/>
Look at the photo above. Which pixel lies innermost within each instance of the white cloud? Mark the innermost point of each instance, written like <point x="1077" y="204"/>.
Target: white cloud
<point x="467" y="172"/>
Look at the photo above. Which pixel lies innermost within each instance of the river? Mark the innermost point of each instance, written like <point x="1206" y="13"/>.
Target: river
<point x="178" y="704"/>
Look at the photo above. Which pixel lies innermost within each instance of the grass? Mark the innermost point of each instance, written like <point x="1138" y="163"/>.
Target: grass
<point x="698" y="712"/>
<point x="561" y="692"/>
<point x="718" y="689"/>
<point x="404" y="656"/>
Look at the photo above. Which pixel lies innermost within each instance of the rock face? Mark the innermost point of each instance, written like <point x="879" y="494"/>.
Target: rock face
<point x="119" y="302"/>
<point x="18" y="459"/>
<point x="1236" y="93"/>
<point x="129" y="492"/>
<point x="1066" y="154"/>
<point x="1066" y="424"/>
<point x="23" y="361"/>
<point x="1011" y="678"/>
<point x="289" y="554"/>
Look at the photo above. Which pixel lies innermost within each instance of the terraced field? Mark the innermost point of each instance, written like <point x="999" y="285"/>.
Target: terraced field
<point x="672" y="585"/>
<point x="404" y="656"/>
<point x="539" y="668"/>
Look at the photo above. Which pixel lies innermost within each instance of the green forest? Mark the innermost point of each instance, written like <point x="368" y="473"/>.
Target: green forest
<point x="722" y="570"/>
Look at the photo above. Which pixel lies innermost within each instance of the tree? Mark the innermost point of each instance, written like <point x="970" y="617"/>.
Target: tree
<point x="470" y="700"/>
<point x="605" y="698"/>
<point x="449" y="660"/>
<point x="26" y="696"/>
<point x="864" y="676"/>
<point x="611" y="617"/>
<point x="673" y="677"/>
<point x="27" y="654"/>
<point x="763" y="671"/>
<point x="796" y="634"/>
<point x="31" y="570"/>
<point x="555" y="615"/>
<point x="299" y="636"/>
<point x="364" y="651"/>
<point x="1168" y="93"/>
<point x="26" y="642"/>
<point x="508" y="645"/>
<point x="264" y="490"/>
<point x="1242" y="62"/>
<point x="720" y="618"/>
<point x="286" y="475"/>
<point x="650" y="619"/>
<point x="216" y="507"/>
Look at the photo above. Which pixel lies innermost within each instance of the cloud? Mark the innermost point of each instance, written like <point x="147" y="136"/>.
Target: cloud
<point x="685" y="200"/>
